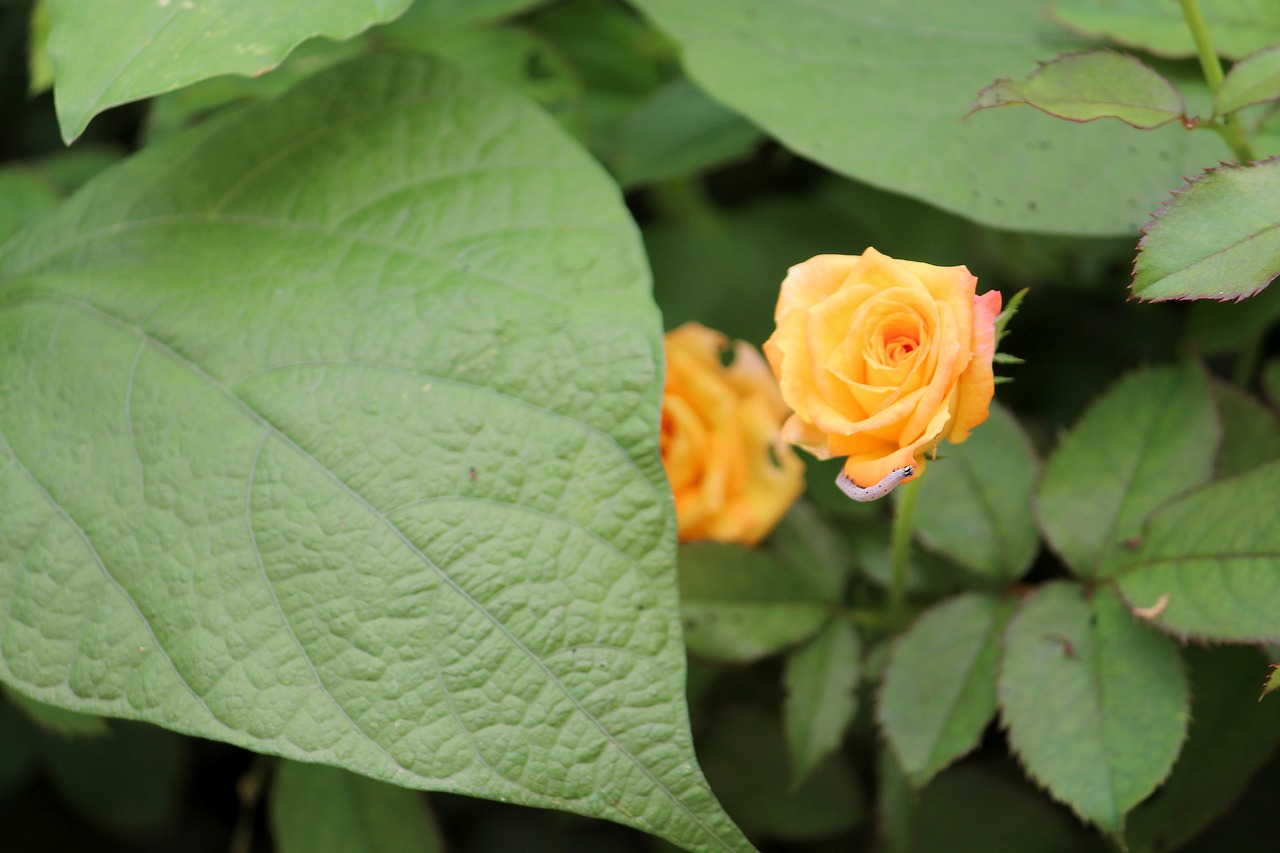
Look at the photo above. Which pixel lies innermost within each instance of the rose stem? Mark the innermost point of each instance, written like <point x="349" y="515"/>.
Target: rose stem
<point x="1229" y="128"/>
<point x="904" y="520"/>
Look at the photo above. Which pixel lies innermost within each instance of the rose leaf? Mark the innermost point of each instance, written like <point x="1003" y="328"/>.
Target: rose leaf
<point x="1089" y="86"/>
<point x="939" y="689"/>
<point x="1253" y="80"/>
<point x="1250" y="430"/>
<point x="1217" y="238"/>
<point x="740" y="604"/>
<point x="1213" y="558"/>
<point x="975" y="504"/>
<point x="329" y="429"/>
<point x="821" y="680"/>
<point x="1150" y="437"/>
<point x="1095" y="702"/>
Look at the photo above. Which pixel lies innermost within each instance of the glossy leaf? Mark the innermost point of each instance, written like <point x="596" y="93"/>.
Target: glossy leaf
<point x="878" y="91"/>
<point x="317" y="809"/>
<point x="1090" y="86"/>
<point x="1231" y="736"/>
<point x="115" y="51"/>
<point x="1095" y="703"/>
<point x="939" y="690"/>
<point x="1238" y="27"/>
<point x="739" y="604"/>
<point x="1217" y="238"/>
<point x="1213" y="558"/>
<point x="1253" y="80"/>
<point x="1148" y="438"/>
<point x="330" y="429"/>
<point x="976" y="504"/>
<point x="821" y="680"/>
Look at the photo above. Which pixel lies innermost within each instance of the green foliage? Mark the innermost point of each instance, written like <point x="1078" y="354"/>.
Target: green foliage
<point x="884" y="97"/>
<point x="1217" y="238"/>
<point x="1253" y="80"/>
<point x="1239" y="26"/>
<point x="345" y="413"/>
<point x="1096" y="704"/>
<point x="358" y="813"/>
<point x="330" y="382"/>
<point x="976" y="507"/>
<point x="1150" y="437"/>
<point x="1090" y="86"/>
<point x="158" y="47"/>
<point x="1211" y="556"/>
<point x="939" y="690"/>
<point x="821" y="682"/>
<point x="1230" y="737"/>
<point x="739" y="605"/>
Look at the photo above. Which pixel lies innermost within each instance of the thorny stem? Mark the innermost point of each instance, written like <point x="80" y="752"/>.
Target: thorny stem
<point x="1229" y="126"/>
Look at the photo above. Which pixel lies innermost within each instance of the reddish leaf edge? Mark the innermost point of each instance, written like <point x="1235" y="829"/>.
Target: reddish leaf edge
<point x="1155" y="219"/>
<point x="1043" y="64"/>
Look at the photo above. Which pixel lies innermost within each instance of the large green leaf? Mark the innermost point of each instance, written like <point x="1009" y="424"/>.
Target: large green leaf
<point x="111" y="52"/>
<point x="879" y="89"/>
<point x="1238" y="27"/>
<point x="330" y="429"/>
<point x="939" y="690"/>
<point x="1209" y="563"/>
<point x="317" y="809"/>
<point x="1151" y="436"/>
<point x="976" y="504"/>
<point x="1094" y="701"/>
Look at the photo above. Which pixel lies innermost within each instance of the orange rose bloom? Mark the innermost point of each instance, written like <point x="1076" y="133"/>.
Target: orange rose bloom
<point x="732" y="474"/>
<point x="881" y="359"/>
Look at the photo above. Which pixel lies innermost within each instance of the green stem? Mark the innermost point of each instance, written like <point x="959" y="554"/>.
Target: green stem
<point x="1229" y="127"/>
<point x="904" y="520"/>
<point x="249" y="790"/>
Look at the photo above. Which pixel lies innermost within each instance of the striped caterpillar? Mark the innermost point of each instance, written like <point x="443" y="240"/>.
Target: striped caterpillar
<point x="879" y="490"/>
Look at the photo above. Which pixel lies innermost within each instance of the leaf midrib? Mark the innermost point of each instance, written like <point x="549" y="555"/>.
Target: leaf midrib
<point x="446" y="579"/>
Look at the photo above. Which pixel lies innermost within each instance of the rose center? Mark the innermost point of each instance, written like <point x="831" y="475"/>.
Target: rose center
<point x="899" y="348"/>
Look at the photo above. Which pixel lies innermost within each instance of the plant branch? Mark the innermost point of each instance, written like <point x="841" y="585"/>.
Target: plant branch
<point x="1229" y="126"/>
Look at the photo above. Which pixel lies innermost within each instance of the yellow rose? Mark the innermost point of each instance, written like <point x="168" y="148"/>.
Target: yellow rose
<point x="732" y="475"/>
<point x="880" y="359"/>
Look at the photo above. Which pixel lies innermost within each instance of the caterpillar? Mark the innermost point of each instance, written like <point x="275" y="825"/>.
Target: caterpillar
<point x="879" y="490"/>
